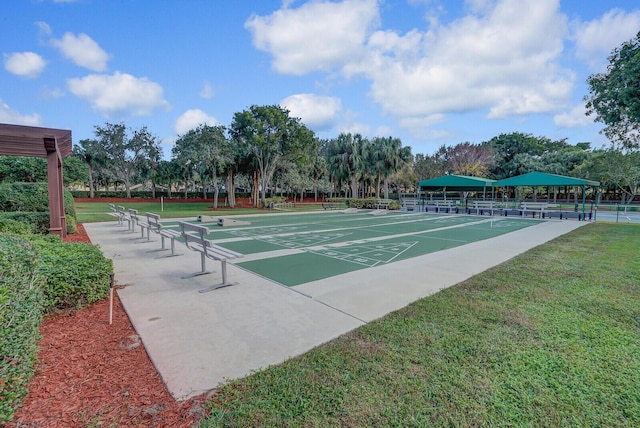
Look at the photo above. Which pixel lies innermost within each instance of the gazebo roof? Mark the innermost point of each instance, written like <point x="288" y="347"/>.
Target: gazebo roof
<point x="456" y="183"/>
<point x="543" y="179"/>
<point x="18" y="140"/>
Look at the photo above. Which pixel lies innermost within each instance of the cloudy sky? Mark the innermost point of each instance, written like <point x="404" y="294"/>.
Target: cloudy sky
<point x="430" y="72"/>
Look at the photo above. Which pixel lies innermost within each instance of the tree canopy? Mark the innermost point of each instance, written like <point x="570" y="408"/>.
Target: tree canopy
<point x="614" y="96"/>
<point x="273" y="138"/>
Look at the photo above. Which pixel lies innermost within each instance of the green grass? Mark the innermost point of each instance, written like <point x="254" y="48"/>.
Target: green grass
<point x="548" y="339"/>
<point x="90" y="212"/>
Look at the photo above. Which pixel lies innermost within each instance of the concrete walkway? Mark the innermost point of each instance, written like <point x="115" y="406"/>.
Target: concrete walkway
<point x="197" y="341"/>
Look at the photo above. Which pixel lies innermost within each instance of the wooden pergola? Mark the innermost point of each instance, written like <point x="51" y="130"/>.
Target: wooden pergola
<point x="52" y="144"/>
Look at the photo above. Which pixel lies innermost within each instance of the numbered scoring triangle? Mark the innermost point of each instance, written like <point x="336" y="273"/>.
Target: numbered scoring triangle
<point x="367" y="254"/>
<point x="303" y="240"/>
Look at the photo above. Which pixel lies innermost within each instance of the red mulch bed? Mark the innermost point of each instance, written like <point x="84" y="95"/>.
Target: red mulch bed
<point x="93" y="373"/>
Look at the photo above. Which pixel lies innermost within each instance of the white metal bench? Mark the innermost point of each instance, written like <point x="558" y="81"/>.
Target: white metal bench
<point x="133" y="215"/>
<point x="195" y="239"/>
<point x="154" y="225"/>
<point x="113" y="211"/>
<point x="383" y="203"/>
<point x="440" y="207"/>
<point x="123" y="216"/>
<point x="482" y="207"/>
<point x="534" y="208"/>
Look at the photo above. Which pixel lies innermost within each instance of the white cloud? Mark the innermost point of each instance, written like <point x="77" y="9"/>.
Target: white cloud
<point x="119" y="93"/>
<point x="317" y="36"/>
<point x="502" y="58"/>
<point x="207" y="91"/>
<point x="596" y="39"/>
<point x="49" y="94"/>
<point x="191" y="119"/>
<point x="43" y="28"/>
<point x="8" y="115"/>
<point x="505" y="60"/>
<point x="24" y="64"/>
<point x="83" y="51"/>
<point x="574" y="118"/>
<point x="316" y="111"/>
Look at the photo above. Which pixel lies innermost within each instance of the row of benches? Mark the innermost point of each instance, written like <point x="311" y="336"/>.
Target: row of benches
<point x="194" y="237"/>
<point x="533" y="209"/>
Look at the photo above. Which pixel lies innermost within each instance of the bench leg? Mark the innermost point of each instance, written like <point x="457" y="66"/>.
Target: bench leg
<point x="203" y="270"/>
<point x="173" y="249"/>
<point x="224" y="282"/>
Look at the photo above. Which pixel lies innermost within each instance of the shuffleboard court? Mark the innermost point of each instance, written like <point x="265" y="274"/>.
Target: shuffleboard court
<point x="368" y="243"/>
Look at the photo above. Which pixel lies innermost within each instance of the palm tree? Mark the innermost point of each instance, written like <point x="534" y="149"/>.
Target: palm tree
<point x="346" y="158"/>
<point x="393" y="157"/>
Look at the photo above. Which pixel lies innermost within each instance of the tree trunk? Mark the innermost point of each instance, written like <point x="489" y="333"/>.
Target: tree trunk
<point x="90" y="172"/>
<point x="231" y="188"/>
<point x="256" y="188"/>
<point x="127" y="186"/>
<point x="354" y="187"/>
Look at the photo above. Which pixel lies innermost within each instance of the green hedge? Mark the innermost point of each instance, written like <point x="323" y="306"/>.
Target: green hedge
<point x="31" y="197"/>
<point x="76" y="274"/>
<point x="8" y="225"/>
<point x="37" y="222"/>
<point x="147" y="194"/>
<point x="366" y="203"/>
<point x="21" y="304"/>
<point x="39" y="274"/>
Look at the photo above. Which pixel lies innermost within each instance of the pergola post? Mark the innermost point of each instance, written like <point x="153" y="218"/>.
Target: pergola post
<point x="57" y="220"/>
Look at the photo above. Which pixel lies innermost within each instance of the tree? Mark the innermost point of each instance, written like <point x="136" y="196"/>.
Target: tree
<point x="168" y="174"/>
<point x="507" y="147"/>
<point x="22" y="169"/>
<point x="429" y="166"/>
<point x="469" y="159"/>
<point x="207" y="151"/>
<point x="273" y="138"/>
<point x="92" y="154"/>
<point x="619" y="170"/>
<point x="390" y="158"/>
<point x="346" y="161"/>
<point x="614" y="96"/>
<point x="123" y="153"/>
<point x="74" y="171"/>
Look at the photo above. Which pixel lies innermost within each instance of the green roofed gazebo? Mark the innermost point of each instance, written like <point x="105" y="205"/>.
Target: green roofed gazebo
<point x="543" y="179"/>
<point x="456" y="183"/>
<point x="534" y="179"/>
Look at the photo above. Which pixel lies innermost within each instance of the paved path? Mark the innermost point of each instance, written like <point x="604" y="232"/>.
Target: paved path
<point x="196" y="341"/>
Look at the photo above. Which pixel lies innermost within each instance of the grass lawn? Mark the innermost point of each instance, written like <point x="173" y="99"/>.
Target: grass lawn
<point x="89" y="212"/>
<point x="548" y="339"/>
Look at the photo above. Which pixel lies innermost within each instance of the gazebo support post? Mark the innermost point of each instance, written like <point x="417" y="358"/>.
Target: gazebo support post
<point x="57" y="220"/>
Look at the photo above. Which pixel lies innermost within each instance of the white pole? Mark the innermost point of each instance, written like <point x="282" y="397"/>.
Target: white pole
<point x="161" y="203"/>
<point x="111" y="299"/>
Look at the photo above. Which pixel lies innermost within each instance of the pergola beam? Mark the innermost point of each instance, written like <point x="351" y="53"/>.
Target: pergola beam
<point x="49" y="143"/>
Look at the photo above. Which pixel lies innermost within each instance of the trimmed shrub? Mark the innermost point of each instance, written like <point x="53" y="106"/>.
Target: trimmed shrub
<point x="39" y="221"/>
<point x="71" y="224"/>
<point x="21" y="303"/>
<point x="36" y="222"/>
<point x="31" y="197"/>
<point x="269" y="202"/>
<point x="76" y="274"/>
<point x="15" y="227"/>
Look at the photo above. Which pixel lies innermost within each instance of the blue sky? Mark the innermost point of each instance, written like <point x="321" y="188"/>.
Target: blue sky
<point x="429" y="72"/>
